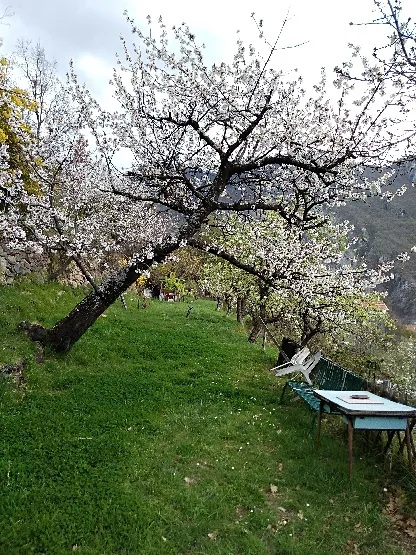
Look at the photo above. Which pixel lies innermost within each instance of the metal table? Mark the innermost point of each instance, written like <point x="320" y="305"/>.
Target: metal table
<point x="371" y="413"/>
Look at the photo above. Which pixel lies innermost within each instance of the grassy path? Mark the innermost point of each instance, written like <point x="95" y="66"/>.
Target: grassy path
<point x="162" y="435"/>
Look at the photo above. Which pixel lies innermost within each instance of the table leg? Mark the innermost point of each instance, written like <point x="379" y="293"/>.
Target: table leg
<point x="350" y="447"/>
<point x="318" y="426"/>
<point x="411" y="426"/>
<point x="402" y="442"/>
<point x="409" y="445"/>
<point x="390" y="436"/>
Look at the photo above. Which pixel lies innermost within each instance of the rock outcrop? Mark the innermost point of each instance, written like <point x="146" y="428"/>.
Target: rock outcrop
<point x="402" y="299"/>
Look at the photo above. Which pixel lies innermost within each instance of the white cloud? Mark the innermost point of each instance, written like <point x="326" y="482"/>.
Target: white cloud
<point x="96" y="72"/>
<point x="322" y="24"/>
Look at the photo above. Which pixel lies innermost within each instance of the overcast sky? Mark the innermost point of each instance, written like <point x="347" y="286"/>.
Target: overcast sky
<point x="88" y="30"/>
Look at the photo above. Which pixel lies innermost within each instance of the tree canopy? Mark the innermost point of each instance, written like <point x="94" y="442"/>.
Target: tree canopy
<point x="235" y="138"/>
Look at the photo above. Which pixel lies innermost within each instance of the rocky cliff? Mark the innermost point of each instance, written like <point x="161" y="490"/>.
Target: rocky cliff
<point x="386" y="229"/>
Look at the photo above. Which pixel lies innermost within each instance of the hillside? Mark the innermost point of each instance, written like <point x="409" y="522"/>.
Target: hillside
<point x="158" y="434"/>
<point x="386" y="229"/>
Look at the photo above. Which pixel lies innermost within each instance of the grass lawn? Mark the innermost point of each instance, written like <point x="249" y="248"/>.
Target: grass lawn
<point x="159" y="434"/>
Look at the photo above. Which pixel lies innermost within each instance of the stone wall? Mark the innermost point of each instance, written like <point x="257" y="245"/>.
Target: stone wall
<point x="19" y="263"/>
<point x="72" y="276"/>
<point x="15" y="263"/>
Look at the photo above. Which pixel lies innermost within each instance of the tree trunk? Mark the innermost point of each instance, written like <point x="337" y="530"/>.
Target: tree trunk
<point x="310" y="328"/>
<point x="260" y="316"/>
<point x="62" y="336"/>
<point x="241" y="309"/>
<point x="255" y="330"/>
<point x="306" y="337"/>
<point x="287" y="349"/>
<point x="229" y="305"/>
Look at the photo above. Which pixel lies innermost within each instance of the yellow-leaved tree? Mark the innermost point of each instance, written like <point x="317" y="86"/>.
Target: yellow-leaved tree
<point x="15" y="134"/>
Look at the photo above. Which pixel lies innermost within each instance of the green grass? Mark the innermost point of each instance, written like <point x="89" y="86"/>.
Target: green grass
<point x="162" y="435"/>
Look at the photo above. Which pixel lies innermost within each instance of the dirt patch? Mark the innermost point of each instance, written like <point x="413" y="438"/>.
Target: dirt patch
<point x="15" y="372"/>
<point x="402" y="519"/>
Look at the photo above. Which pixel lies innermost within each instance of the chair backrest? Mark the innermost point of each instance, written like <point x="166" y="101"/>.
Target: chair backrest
<point x="300" y="356"/>
<point x="330" y="375"/>
<point x="310" y="363"/>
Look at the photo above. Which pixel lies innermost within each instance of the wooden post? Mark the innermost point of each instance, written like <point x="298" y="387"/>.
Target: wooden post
<point x="411" y="426"/>
<point x="318" y="431"/>
<point x="390" y="436"/>
<point x="123" y="301"/>
<point x="264" y="339"/>
<point x="409" y="445"/>
<point x="350" y="446"/>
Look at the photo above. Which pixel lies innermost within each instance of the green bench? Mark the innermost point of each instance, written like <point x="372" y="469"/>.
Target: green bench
<point x="326" y="375"/>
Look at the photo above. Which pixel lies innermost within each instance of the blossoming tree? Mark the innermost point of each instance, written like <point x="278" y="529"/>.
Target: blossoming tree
<point x="310" y="281"/>
<point x="231" y="138"/>
<point x="392" y="61"/>
<point x="71" y="214"/>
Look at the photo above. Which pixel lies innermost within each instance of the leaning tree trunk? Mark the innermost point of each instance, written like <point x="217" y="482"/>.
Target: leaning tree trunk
<point x="310" y="328"/>
<point x="62" y="336"/>
<point x="288" y="348"/>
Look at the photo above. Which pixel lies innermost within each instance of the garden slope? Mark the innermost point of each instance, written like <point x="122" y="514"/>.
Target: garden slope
<point x="160" y="434"/>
